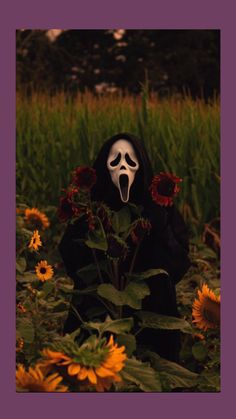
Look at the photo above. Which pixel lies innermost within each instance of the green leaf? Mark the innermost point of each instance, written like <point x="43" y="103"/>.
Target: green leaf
<point x="47" y="287"/>
<point x="128" y="341"/>
<point x="26" y="329"/>
<point x="131" y="296"/>
<point x="88" y="272"/>
<point x="172" y="375"/>
<point x="27" y="277"/>
<point x="140" y="373"/>
<point x="199" y="351"/>
<point x="146" y="274"/>
<point x="89" y="290"/>
<point x="158" y="321"/>
<point x="121" y="220"/>
<point x="97" y="238"/>
<point x="209" y="381"/>
<point x="114" y="326"/>
<point x="21" y="265"/>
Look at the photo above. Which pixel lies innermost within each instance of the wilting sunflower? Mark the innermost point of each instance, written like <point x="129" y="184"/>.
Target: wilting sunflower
<point x="35" y="241"/>
<point x="95" y="364"/>
<point x="164" y="187"/>
<point x="44" y="271"/>
<point x="37" y="219"/>
<point x="206" y="309"/>
<point x="37" y="380"/>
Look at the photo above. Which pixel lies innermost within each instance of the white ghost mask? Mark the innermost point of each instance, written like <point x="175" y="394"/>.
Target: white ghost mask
<point x="122" y="164"/>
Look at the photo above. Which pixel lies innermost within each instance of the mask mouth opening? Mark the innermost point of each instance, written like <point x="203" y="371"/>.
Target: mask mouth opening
<point x="124" y="187"/>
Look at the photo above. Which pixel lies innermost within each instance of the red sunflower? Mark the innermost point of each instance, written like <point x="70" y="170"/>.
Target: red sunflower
<point x="164" y="187"/>
<point x="84" y="178"/>
<point x="67" y="207"/>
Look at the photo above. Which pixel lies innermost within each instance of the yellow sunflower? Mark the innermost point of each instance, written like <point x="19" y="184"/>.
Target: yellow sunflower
<point x="206" y="309"/>
<point x="36" y="380"/>
<point x="92" y="366"/>
<point x="36" y="218"/>
<point x="35" y="241"/>
<point x="44" y="271"/>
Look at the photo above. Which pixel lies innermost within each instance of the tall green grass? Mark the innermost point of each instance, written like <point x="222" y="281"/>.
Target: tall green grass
<point x="182" y="136"/>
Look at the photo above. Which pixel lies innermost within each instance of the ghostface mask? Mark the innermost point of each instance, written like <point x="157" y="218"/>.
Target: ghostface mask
<point x="122" y="164"/>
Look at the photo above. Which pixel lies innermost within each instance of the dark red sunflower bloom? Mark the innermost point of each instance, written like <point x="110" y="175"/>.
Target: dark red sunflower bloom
<point x="65" y="210"/>
<point x="164" y="187"/>
<point x="141" y="227"/>
<point x="84" y="178"/>
<point x="67" y="207"/>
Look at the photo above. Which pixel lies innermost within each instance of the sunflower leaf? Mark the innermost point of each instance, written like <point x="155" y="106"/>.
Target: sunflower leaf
<point x="21" y="265"/>
<point x="140" y="373"/>
<point x="146" y="274"/>
<point x="114" y="326"/>
<point x="172" y="375"/>
<point x="131" y="296"/>
<point x="128" y="341"/>
<point x="97" y="237"/>
<point x="159" y="321"/>
<point x="25" y="329"/>
<point x="121" y="220"/>
<point x="199" y="351"/>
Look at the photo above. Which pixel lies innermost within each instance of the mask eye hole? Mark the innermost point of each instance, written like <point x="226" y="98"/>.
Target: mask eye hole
<point x="116" y="161"/>
<point x="130" y="161"/>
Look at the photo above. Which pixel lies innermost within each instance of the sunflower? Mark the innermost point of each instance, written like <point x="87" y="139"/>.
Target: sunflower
<point x="36" y="218"/>
<point x="84" y="177"/>
<point x="140" y="228"/>
<point x="164" y="187"/>
<point x="93" y="365"/>
<point x="36" y="380"/>
<point x="35" y="241"/>
<point x="44" y="271"/>
<point x="206" y="309"/>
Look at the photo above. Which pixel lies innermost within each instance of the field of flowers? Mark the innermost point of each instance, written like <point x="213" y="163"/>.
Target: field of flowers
<point x="56" y="135"/>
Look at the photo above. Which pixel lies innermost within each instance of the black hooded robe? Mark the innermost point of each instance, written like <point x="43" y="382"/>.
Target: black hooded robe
<point x="166" y="247"/>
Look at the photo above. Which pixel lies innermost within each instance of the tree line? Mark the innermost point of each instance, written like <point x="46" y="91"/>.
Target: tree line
<point x="174" y="61"/>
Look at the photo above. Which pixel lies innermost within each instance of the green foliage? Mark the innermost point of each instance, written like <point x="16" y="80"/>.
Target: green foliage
<point x="114" y="326"/>
<point x="142" y="375"/>
<point x="172" y="375"/>
<point x="97" y="237"/>
<point x="131" y="296"/>
<point x="158" y="321"/>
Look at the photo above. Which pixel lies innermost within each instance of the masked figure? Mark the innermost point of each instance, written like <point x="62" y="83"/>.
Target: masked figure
<point x="124" y="175"/>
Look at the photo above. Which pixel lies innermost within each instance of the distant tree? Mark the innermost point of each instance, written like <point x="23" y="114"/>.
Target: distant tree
<point x="174" y="60"/>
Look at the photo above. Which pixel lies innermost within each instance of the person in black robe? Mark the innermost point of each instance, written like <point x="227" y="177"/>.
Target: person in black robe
<point x="166" y="247"/>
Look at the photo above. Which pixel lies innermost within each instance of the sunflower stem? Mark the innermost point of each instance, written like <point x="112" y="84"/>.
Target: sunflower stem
<point x="134" y="258"/>
<point x="97" y="266"/>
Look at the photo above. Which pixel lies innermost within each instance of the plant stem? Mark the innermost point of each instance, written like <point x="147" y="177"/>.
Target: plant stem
<point x="97" y="266"/>
<point x="77" y="313"/>
<point x="108" y="306"/>
<point x="134" y="257"/>
<point x="138" y="331"/>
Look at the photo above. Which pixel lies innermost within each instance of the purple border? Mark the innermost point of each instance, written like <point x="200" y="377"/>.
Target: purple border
<point x="107" y="14"/>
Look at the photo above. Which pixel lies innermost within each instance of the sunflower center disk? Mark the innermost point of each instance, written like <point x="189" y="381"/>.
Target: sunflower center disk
<point x="124" y="187"/>
<point x="211" y="311"/>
